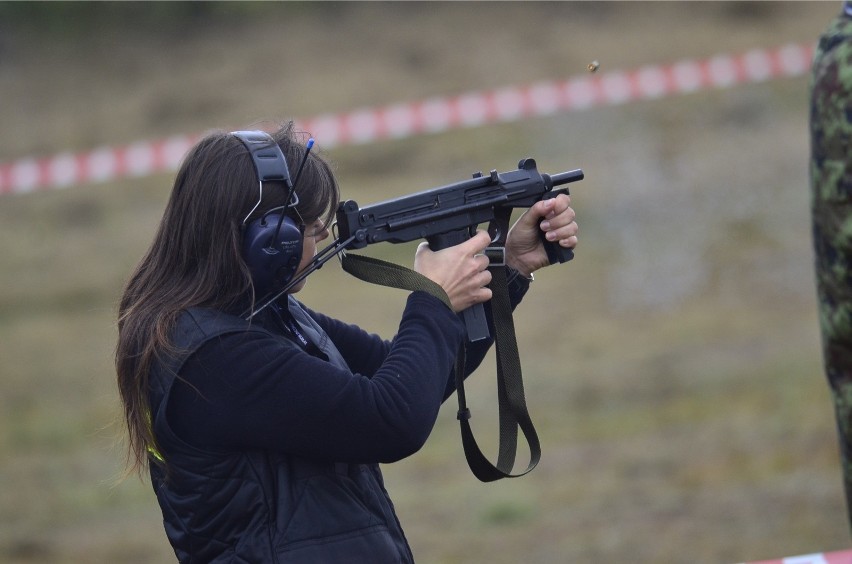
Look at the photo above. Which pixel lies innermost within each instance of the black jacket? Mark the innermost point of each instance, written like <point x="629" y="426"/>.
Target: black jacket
<point x="271" y="448"/>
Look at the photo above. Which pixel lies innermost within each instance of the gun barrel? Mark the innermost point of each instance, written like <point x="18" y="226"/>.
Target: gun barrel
<point x="566" y="177"/>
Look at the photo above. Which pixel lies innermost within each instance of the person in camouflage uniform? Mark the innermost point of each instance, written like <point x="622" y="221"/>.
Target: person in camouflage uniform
<point x="831" y="209"/>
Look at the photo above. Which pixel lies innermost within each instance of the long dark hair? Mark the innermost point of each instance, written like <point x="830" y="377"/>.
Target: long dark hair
<point x="195" y="259"/>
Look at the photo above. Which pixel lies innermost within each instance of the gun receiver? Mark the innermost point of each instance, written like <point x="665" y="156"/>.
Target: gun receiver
<point x="448" y="215"/>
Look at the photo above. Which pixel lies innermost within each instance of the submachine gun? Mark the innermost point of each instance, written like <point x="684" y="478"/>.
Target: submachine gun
<point x="450" y="214"/>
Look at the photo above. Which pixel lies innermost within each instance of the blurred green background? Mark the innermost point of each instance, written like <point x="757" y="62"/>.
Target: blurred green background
<point x="673" y="368"/>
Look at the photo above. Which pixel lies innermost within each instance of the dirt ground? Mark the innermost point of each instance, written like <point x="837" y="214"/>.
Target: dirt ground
<point x="672" y="369"/>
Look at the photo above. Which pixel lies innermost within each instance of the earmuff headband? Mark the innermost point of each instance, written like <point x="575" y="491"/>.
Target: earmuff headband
<point x="269" y="164"/>
<point x="268" y="159"/>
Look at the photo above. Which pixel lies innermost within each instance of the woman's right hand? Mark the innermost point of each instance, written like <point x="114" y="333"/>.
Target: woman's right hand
<point x="461" y="270"/>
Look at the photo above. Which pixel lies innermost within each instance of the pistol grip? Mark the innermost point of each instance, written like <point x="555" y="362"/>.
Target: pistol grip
<point x="555" y="253"/>
<point x="474" y="317"/>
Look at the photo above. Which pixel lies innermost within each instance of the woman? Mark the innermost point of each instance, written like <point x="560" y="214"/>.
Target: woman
<point x="263" y="438"/>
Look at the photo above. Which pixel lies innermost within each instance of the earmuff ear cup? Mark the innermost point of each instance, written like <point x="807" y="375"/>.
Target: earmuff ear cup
<point x="273" y="260"/>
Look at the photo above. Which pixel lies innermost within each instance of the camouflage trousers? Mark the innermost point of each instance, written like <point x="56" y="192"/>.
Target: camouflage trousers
<point x="831" y="208"/>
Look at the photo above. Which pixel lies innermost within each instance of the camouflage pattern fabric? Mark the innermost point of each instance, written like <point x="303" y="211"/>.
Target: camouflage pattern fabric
<point x="831" y="208"/>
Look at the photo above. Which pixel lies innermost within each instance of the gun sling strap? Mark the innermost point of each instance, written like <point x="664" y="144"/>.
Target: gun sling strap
<point x="512" y="407"/>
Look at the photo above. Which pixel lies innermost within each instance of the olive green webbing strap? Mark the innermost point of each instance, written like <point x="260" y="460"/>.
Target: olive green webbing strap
<point x="510" y="389"/>
<point x="384" y="273"/>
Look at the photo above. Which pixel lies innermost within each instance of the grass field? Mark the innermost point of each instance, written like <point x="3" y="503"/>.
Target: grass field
<point x="672" y="369"/>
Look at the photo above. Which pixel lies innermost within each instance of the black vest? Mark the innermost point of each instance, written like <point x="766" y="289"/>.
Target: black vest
<point x="260" y="506"/>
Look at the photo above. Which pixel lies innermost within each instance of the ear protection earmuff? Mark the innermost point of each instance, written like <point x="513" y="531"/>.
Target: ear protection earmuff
<point x="272" y="243"/>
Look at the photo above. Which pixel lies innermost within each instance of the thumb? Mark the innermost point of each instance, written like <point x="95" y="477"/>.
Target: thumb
<point x="537" y="212"/>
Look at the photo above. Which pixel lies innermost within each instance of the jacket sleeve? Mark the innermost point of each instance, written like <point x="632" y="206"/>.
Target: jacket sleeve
<point x="255" y="390"/>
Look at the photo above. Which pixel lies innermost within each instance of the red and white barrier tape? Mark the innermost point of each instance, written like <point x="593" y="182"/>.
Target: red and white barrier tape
<point x="841" y="557"/>
<point x="434" y="115"/>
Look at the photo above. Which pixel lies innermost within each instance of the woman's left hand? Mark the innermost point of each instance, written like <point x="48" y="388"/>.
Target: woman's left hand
<point x="524" y="249"/>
